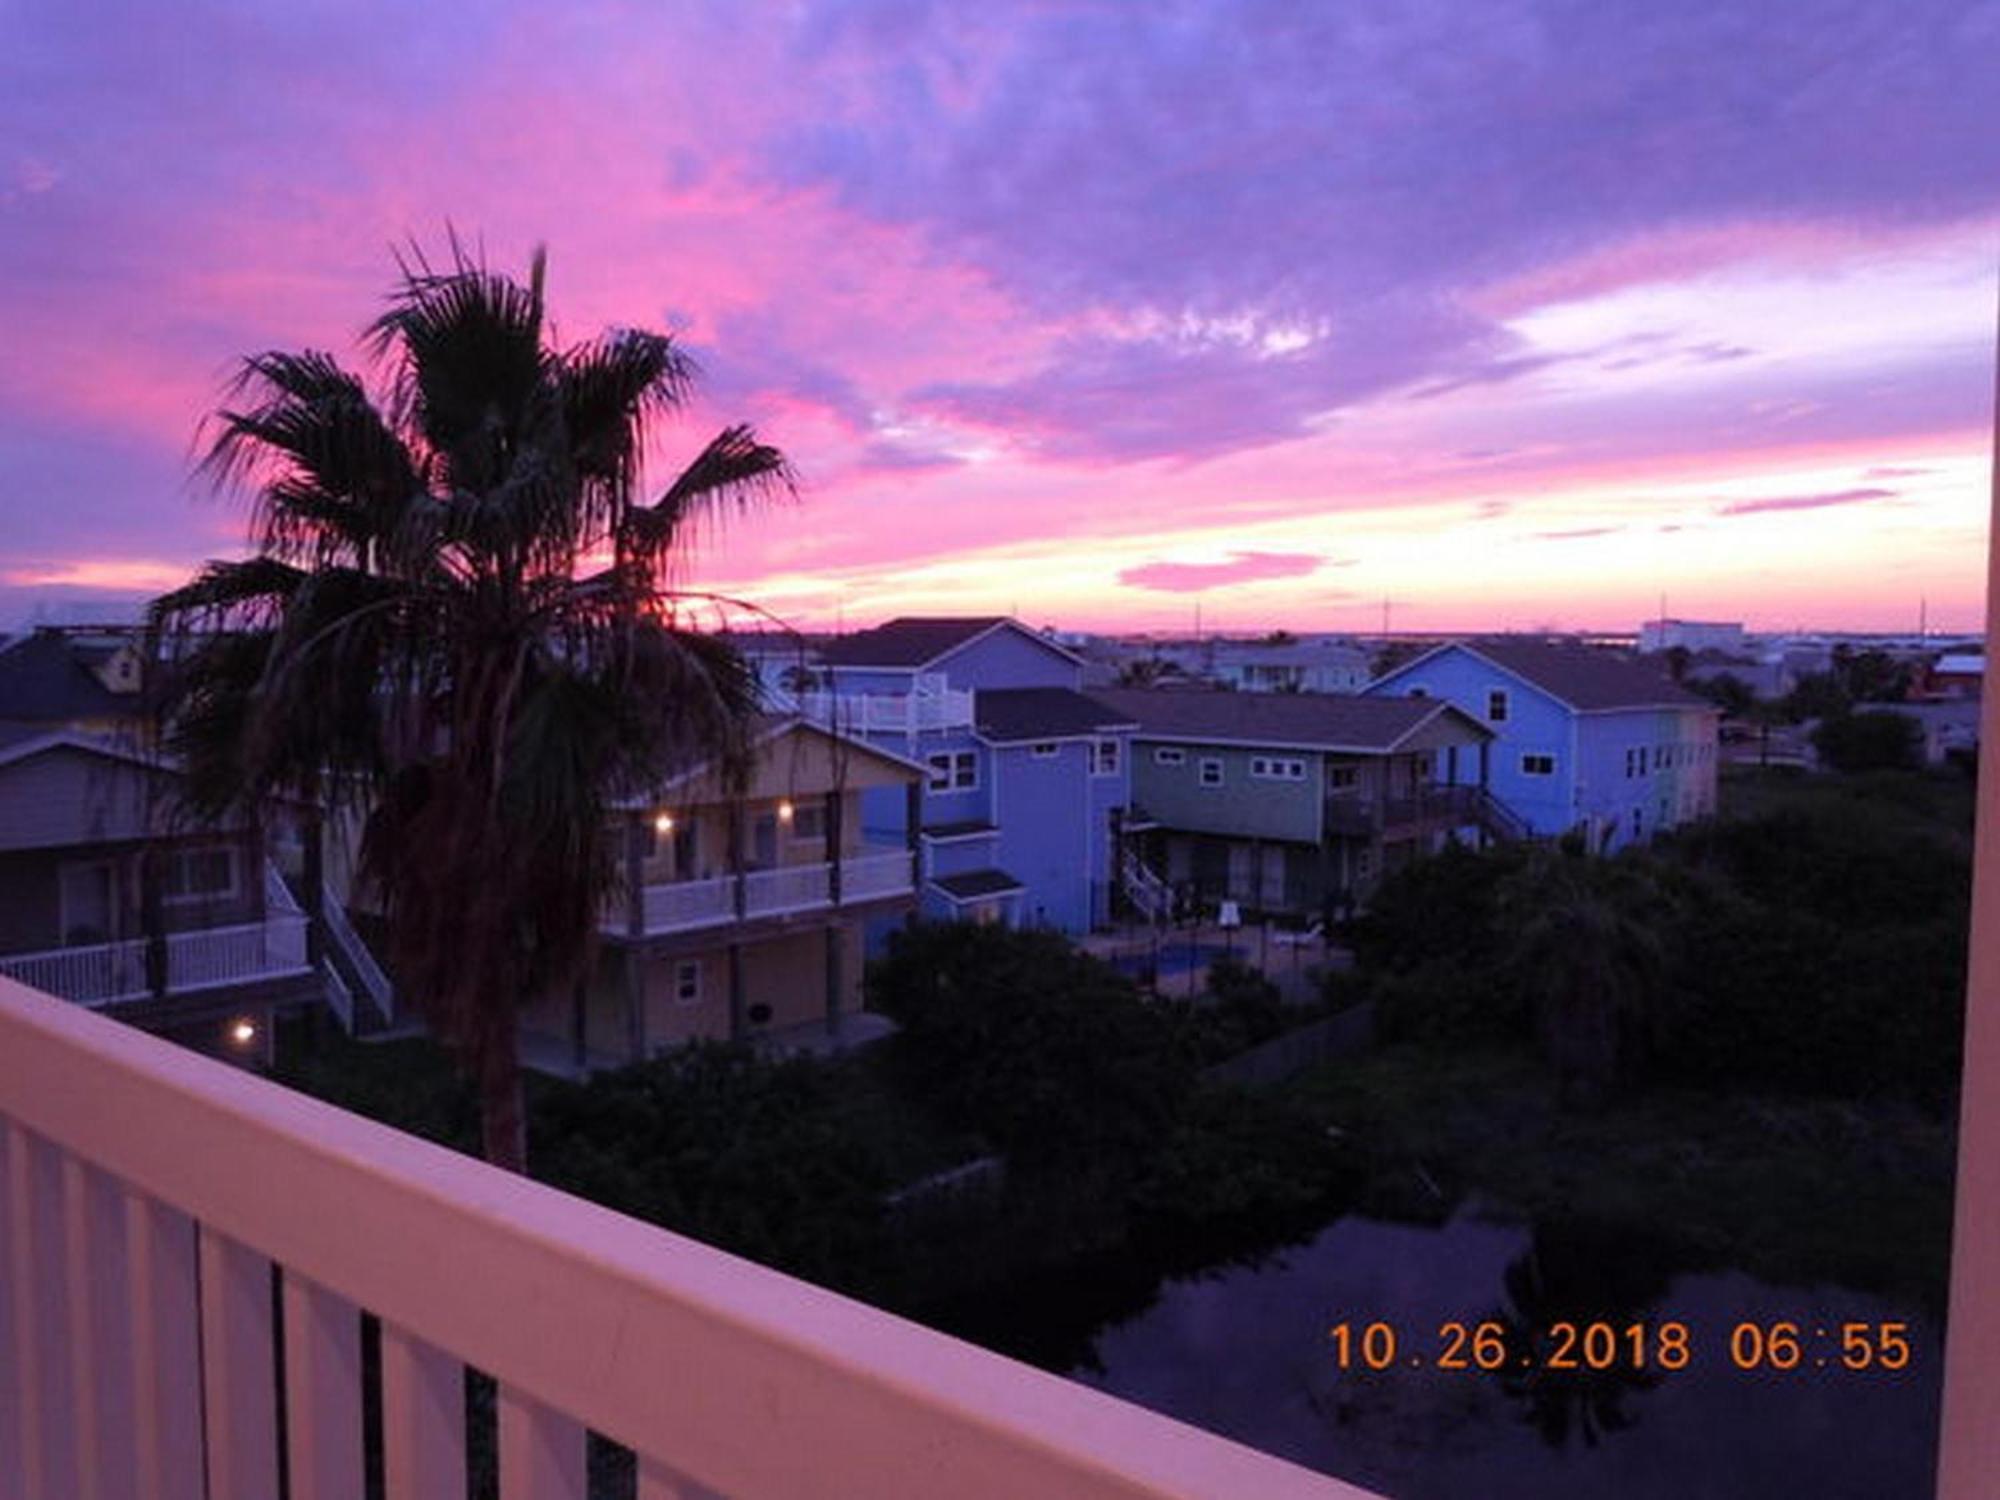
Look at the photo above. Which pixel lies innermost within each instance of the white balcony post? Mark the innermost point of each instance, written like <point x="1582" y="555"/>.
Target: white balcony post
<point x="541" y="1451"/>
<point x="322" y="1392"/>
<point x="38" y="1276"/>
<point x="423" y="1419"/>
<point x="239" y="1405"/>
<point x="98" y="1331"/>
<point x="166" y="1350"/>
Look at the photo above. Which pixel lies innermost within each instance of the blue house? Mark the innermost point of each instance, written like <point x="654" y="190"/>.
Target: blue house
<point x="1027" y="775"/>
<point x="1584" y="738"/>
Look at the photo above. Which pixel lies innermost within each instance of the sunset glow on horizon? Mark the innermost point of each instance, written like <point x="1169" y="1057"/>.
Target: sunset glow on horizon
<point x="1518" y="317"/>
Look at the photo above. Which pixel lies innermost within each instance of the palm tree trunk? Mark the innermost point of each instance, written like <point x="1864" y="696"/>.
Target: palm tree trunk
<point x="503" y="1118"/>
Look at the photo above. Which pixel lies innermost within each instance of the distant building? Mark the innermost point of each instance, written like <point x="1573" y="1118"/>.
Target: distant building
<point x="112" y="896"/>
<point x="1694" y="635"/>
<point x="1954" y="675"/>
<point x="1284" y="802"/>
<point x="1587" y="739"/>
<point x="1024" y="773"/>
<point x="87" y="680"/>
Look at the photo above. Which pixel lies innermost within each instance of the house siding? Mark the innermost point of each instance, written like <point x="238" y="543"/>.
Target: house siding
<point x="1242" y="807"/>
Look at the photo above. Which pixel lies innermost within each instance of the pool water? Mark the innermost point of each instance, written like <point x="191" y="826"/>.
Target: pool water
<point x="1175" y="958"/>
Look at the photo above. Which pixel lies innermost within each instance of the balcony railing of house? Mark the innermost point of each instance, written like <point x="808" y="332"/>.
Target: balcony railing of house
<point x="141" y="1340"/>
<point x="893" y="713"/>
<point x="201" y="958"/>
<point x="681" y="906"/>
<point x="1357" y="813"/>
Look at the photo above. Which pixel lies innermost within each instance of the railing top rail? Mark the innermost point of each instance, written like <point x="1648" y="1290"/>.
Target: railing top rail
<point x="743" y="1379"/>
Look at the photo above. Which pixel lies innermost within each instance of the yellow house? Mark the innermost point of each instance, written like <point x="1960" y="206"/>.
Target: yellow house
<point x="741" y="915"/>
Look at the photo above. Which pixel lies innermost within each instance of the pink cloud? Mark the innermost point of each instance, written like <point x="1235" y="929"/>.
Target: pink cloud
<point x="1242" y="567"/>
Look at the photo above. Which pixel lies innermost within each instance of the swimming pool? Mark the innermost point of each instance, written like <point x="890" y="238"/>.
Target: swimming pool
<point x="1175" y="957"/>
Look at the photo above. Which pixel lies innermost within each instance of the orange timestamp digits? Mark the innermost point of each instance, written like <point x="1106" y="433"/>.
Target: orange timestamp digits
<point x="1492" y="1346"/>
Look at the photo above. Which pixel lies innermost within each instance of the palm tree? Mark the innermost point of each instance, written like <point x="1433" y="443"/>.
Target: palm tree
<point x="1586" y="947"/>
<point x="459" y="624"/>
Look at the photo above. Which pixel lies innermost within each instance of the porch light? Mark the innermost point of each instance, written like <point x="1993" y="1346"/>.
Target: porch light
<point x="243" y="1032"/>
<point x="664" y="823"/>
<point x="784" y="812"/>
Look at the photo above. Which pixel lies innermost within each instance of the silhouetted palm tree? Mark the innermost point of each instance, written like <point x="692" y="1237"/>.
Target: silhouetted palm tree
<point x="458" y="623"/>
<point x="1586" y="947"/>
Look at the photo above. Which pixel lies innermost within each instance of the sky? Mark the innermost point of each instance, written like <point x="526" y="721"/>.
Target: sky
<point x="1517" y="314"/>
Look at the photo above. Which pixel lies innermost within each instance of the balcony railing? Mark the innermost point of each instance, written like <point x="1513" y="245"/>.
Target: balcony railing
<point x="1356" y="815"/>
<point x="200" y="959"/>
<point x="686" y="905"/>
<point x="894" y="713"/>
<point x="140" y="1337"/>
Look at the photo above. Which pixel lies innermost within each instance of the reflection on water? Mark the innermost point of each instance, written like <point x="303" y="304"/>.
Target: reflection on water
<point x="1247" y="1354"/>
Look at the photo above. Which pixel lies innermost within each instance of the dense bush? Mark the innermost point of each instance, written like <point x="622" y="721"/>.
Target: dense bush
<point x="1873" y="741"/>
<point x="1041" y="1049"/>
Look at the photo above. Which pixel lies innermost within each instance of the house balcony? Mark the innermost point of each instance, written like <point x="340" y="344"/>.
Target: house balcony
<point x="205" y="958"/>
<point x="1353" y="815"/>
<point x="883" y="713"/>
<point x="152" y="1284"/>
<point x="789" y="890"/>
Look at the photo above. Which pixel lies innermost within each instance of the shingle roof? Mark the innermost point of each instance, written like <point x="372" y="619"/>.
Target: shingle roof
<point x="1330" y="721"/>
<point x="976" y="883"/>
<point x="1587" y="677"/>
<point x="1009" y="715"/>
<point x="910" y="641"/>
<point x="918" y="640"/>
<point x="42" y="681"/>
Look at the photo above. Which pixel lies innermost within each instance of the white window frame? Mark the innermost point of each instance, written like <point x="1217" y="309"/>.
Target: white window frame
<point x="1277" y="768"/>
<point x="1210" y="772"/>
<point x="687" y="981"/>
<point x="1045" y="750"/>
<point x="1169" y="755"/>
<point x="1537" y="755"/>
<point x="178" y="858"/>
<point x="1104" y="757"/>
<point x="1503" y="700"/>
<point x="959" y="771"/>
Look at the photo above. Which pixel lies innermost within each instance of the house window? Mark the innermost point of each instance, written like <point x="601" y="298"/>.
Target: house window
<point x="687" y="982"/>
<point x="1340" y="778"/>
<point x="1277" y="768"/>
<point x="1419" y="691"/>
<point x="200" y="874"/>
<point x="809" y="823"/>
<point x="1104" y="758"/>
<point x="1638" y="822"/>
<point x="1169" y="757"/>
<point x="1496" y="705"/>
<point x="954" y="770"/>
<point x="1211" y="772"/>
<point x="1538" y="765"/>
<point x="1046" y="750"/>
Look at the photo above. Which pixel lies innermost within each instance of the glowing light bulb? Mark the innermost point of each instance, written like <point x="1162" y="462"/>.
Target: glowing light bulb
<point x="785" y="812"/>
<point x="243" y="1033"/>
<point x="664" y="823"/>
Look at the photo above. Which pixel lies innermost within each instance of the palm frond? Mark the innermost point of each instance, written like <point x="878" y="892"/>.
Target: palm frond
<point x="734" y="472"/>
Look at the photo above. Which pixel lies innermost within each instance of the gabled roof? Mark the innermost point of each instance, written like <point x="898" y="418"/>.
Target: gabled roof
<point x="44" y="679"/>
<point x="1589" y="679"/>
<point x="1005" y="716"/>
<point x="918" y="640"/>
<point x="766" y="731"/>
<point x="1298" y="721"/>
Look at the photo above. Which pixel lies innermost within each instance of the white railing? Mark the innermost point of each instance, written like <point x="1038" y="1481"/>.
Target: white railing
<point x="874" y="875"/>
<point x="202" y="958"/>
<point x="686" y="905"/>
<point x="141" y="1337"/>
<point x="339" y="998"/>
<point x="1146" y="891"/>
<point x="895" y="713"/>
<point x="360" y="957"/>
<point x="790" y="888"/>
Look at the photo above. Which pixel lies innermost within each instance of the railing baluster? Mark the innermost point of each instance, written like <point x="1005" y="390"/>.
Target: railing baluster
<point x="13" y="1378"/>
<point x="166" y="1350"/>
<point x="99" y="1331"/>
<point x="541" y="1450"/>
<point x="39" y="1279"/>
<point x="423" y="1419"/>
<point x="322" y="1392"/>
<point x="238" y="1367"/>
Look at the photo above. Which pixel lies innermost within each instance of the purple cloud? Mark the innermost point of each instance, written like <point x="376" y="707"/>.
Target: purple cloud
<point x="1242" y="567"/>
<point x="1806" y="502"/>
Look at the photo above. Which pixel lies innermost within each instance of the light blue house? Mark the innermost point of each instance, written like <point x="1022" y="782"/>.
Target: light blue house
<point x="1584" y="738"/>
<point x="1027" y="774"/>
